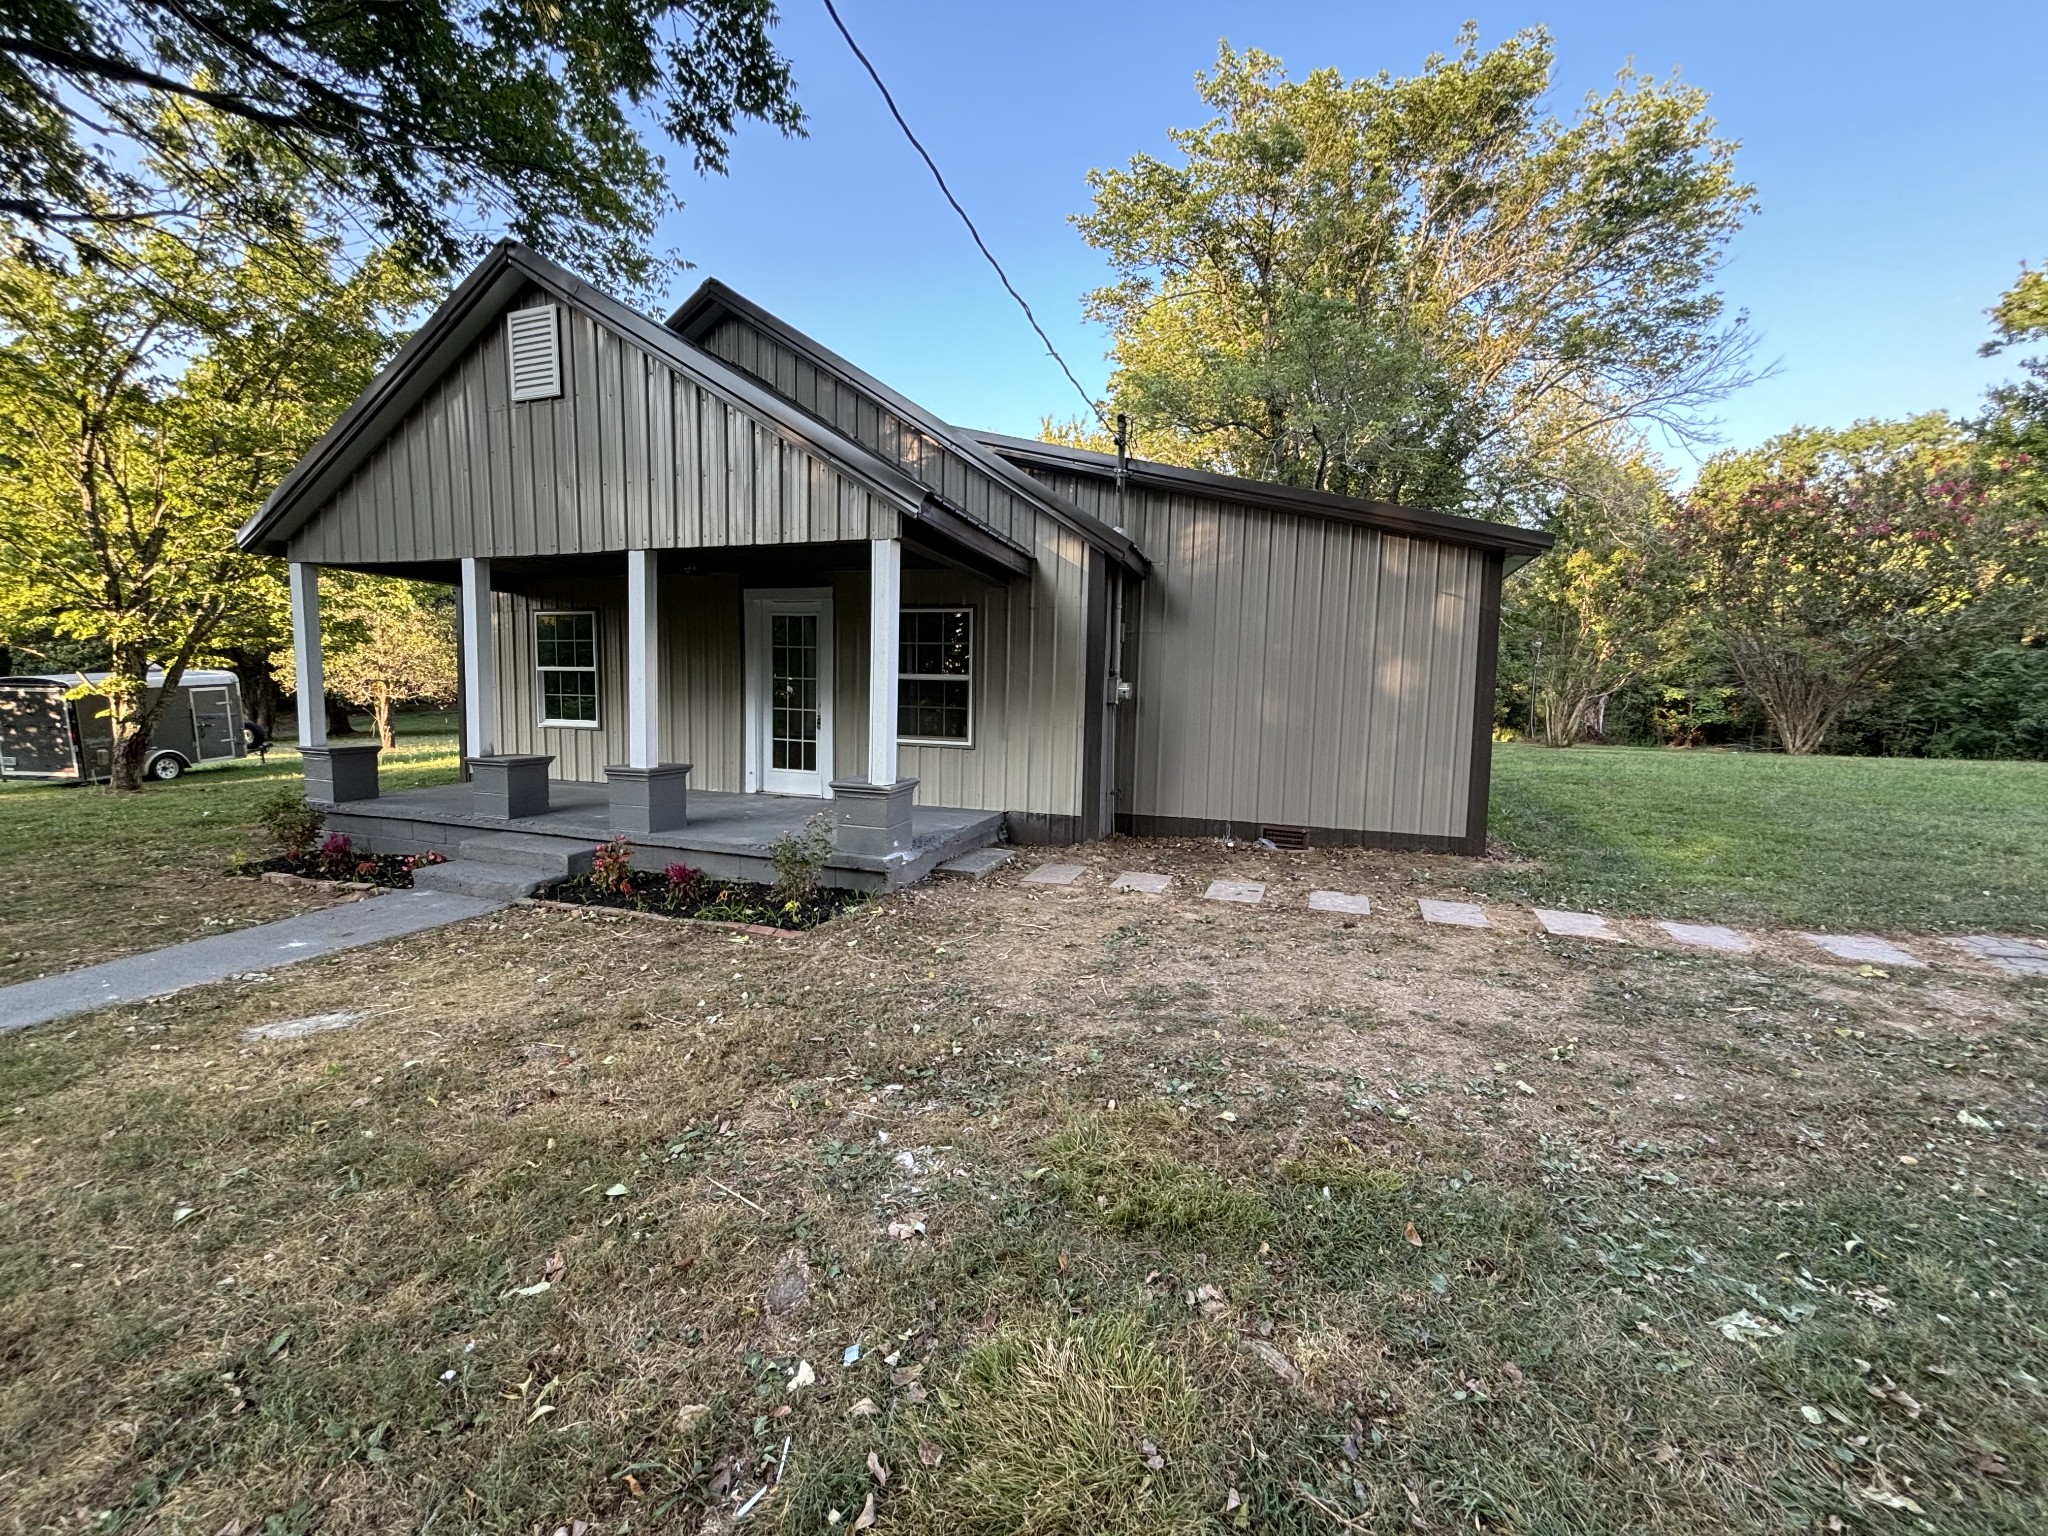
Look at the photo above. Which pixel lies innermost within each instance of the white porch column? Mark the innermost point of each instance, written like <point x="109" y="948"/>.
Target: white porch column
<point x="643" y="660"/>
<point x="885" y="602"/>
<point x="305" y="591"/>
<point x="479" y="660"/>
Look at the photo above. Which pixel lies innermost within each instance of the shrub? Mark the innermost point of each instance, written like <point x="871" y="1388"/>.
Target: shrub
<point x="611" y="868"/>
<point x="682" y="881"/>
<point x="291" y="822"/>
<point x="799" y="860"/>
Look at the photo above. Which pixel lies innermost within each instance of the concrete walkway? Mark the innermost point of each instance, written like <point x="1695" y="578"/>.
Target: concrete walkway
<point x="219" y="956"/>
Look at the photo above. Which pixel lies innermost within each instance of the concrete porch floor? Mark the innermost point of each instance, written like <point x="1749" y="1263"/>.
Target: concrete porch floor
<point x="729" y="837"/>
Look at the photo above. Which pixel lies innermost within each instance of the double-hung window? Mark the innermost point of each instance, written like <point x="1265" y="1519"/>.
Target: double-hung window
<point x="935" y="677"/>
<point x="565" y="653"/>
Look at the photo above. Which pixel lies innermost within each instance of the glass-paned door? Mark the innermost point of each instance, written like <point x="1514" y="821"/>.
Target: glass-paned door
<point x="789" y="693"/>
<point x="793" y="692"/>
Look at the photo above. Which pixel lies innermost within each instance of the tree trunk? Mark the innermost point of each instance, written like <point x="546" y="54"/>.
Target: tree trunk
<point x="380" y="710"/>
<point x="338" y="722"/>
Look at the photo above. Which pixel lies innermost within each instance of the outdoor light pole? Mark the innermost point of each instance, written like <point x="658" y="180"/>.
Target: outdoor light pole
<point x="1535" y="661"/>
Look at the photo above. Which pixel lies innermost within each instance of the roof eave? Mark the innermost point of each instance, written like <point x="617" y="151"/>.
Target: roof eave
<point x="695" y="315"/>
<point x="1517" y="545"/>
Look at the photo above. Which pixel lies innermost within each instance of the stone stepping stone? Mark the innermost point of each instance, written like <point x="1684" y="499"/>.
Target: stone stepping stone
<point x="1453" y="914"/>
<point x="1709" y="936"/>
<point x="1144" y="884"/>
<point x="2015" y="957"/>
<point x="1576" y="925"/>
<point x="1865" y="948"/>
<point x="1340" y="901"/>
<point x="1055" y="874"/>
<point x="1247" y="893"/>
<point x="977" y="863"/>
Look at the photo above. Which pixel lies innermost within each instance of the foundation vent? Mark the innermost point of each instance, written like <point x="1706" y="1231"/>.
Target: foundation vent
<point x="1293" y="838"/>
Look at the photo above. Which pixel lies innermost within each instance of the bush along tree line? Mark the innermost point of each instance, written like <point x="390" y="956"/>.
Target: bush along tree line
<point x="1433" y="290"/>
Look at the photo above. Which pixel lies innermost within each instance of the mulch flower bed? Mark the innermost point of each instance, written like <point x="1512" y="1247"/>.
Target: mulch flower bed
<point x="680" y="891"/>
<point x="337" y="860"/>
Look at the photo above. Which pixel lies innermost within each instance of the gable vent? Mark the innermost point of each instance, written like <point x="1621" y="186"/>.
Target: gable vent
<point x="534" y="340"/>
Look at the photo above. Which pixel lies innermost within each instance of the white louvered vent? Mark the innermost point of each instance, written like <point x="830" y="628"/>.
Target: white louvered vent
<point x="534" y="340"/>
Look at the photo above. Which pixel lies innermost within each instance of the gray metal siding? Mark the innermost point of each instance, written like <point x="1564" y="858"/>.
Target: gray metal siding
<point x="1027" y="683"/>
<point x="1293" y="670"/>
<point x="633" y="455"/>
<point x="1030" y="636"/>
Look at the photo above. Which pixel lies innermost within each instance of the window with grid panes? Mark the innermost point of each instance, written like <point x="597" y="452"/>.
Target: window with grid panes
<point x="565" y="652"/>
<point x="935" y="677"/>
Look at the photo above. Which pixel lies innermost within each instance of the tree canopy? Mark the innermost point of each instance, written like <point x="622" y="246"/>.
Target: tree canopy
<point x="1422" y="289"/>
<point x="433" y="122"/>
<point x="146" y="408"/>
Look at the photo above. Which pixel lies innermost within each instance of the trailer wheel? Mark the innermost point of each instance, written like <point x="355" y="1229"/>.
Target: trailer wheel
<point x="165" y="767"/>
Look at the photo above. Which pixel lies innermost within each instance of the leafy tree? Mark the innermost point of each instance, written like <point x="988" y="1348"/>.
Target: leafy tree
<point x="1422" y="289"/>
<point x="383" y="643"/>
<point x="1824" y="562"/>
<point x="145" y="410"/>
<point x="428" y="121"/>
<point x="1601" y="602"/>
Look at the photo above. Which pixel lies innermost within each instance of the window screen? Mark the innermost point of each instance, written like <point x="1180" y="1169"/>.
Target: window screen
<point x="935" y="681"/>
<point x="565" y="650"/>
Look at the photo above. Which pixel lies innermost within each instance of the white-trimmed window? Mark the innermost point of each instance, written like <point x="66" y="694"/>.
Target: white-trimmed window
<point x="935" y="677"/>
<point x="565" y="655"/>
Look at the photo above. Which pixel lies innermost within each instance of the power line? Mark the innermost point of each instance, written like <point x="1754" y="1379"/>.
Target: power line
<point x="933" y="166"/>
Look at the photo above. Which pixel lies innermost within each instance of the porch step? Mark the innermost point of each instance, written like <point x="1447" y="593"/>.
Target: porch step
<point x="473" y="877"/>
<point x="978" y="863"/>
<point x="546" y="857"/>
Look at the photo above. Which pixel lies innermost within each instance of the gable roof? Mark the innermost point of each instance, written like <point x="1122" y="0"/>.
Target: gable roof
<point x="1517" y="545"/>
<point x="700" y="312"/>
<point x="508" y="271"/>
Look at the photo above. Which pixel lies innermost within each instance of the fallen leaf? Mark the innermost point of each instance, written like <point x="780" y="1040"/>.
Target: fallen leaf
<point x="929" y="1454"/>
<point x="866" y="1408"/>
<point x="1664" y="1455"/>
<point x="1231" y="1501"/>
<point x="552" y="1269"/>
<point x="1813" y="1415"/>
<point x="616" y="1191"/>
<point x="1152" y="1457"/>
<point x="690" y="1415"/>
<point x="875" y="1466"/>
<point x="866" y="1517"/>
<point x="633" y="1485"/>
<point x="1414" y="1237"/>
<point x="1512" y="1371"/>
<point x="1270" y="1355"/>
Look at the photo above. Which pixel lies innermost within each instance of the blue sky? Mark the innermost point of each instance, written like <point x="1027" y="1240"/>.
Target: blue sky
<point x="1896" y="150"/>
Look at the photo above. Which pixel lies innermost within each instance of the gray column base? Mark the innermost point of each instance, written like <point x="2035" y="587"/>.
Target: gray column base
<point x="338" y="774"/>
<point x="506" y="788"/>
<point x="648" y="799"/>
<point x="873" y="820"/>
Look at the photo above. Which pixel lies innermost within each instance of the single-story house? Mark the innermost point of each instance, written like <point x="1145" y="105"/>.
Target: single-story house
<point x="715" y="580"/>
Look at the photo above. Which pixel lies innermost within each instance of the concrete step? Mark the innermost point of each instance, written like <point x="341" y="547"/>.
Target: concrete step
<point x="978" y="863"/>
<point x="548" y="858"/>
<point x="474" y="877"/>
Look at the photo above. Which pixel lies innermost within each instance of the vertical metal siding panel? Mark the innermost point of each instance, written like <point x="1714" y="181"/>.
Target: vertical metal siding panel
<point x="1299" y="591"/>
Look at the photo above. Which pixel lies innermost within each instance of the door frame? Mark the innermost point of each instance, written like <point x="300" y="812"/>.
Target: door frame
<point x="761" y="602"/>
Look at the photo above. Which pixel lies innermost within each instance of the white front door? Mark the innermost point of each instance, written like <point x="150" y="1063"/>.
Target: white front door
<point x="789" y="692"/>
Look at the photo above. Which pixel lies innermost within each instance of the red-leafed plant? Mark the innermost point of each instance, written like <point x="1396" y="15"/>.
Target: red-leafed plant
<point x="611" y="868"/>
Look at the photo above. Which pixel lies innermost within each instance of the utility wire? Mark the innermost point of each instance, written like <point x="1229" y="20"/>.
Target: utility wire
<point x="933" y="166"/>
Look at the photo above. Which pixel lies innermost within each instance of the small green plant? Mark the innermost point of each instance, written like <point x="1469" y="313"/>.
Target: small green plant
<point x="291" y="822"/>
<point x="611" y="868"/>
<point x="799" y="860"/>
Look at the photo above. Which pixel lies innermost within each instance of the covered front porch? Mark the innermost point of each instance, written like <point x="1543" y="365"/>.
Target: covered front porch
<point x="728" y="836"/>
<point x="522" y="794"/>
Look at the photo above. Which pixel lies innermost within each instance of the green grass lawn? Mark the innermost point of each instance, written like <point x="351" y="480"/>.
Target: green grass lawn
<point x="1855" y="842"/>
<point x="86" y="874"/>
